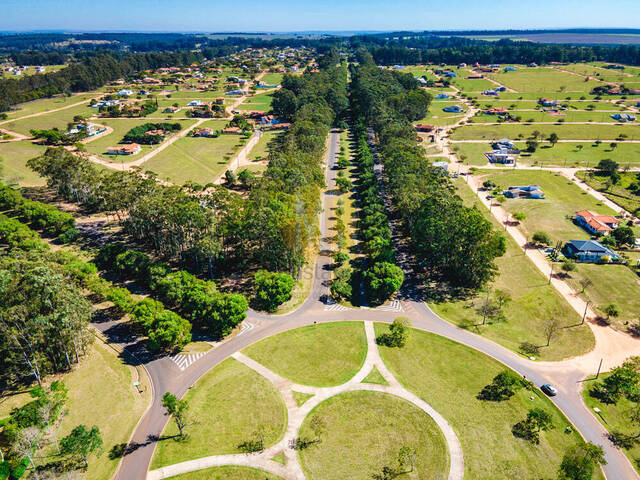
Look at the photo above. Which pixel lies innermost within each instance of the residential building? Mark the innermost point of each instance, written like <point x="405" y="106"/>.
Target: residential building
<point x="453" y="109"/>
<point x="623" y="117"/>
<point x="589" y="251"/>
<point x="442" y="165"/>
<point x="510" y="69"/>
<point x="195" y="103"/>
<point x="497" y="111"/>
<point x="204" y="132"/>
<point x="547" y="102"/>
<point x="501" y="156"/>
<point x="528" y="191"/>
<point x="596" y="224"/>
<point x="170" y="109"/>
<point x="130" y="149"/>
<point x="442" y="96"/>
<point x="505" y="144"/>
<point x="422" y="127"/>
<point x="125" y="92"/>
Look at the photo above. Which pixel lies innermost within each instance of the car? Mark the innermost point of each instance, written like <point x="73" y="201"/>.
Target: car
<point x="489" y="197"/>
<point x="549" y="390"/>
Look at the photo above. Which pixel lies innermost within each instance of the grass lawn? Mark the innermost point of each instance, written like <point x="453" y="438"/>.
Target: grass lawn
<point x="375" y="377"/>
<point x="320" y="355"/>
<point x="107" y="400"/>
<point x="196" y="159"/>
<point x="365" y="431"/>
<point x="230" y="402"/>
<point x="449" y="376"/>
<point x="615" y="418"/>
<point x="261" y="150"/>
<point x="564" y="132"/>
<point x="48" y="120"/>
<point x="227" y="473"/>
<point x="563" y="199"/>
<point x="120" y="127"/>
<point x="617" y="193"/>
<point x="533" y="302"/>
<point x="45" y="104"/>
<point x="272" y="78"/>
<point x="543" y="80"/>
<point x="13" y="159"/>
<point x="473" y="85"/>
<point x="261" y="102"/>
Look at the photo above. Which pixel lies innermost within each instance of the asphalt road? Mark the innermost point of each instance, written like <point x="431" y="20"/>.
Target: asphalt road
<point x="166" y="376"/>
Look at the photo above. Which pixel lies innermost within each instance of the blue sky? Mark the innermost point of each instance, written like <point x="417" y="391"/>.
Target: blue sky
<point x="297" y="15"/>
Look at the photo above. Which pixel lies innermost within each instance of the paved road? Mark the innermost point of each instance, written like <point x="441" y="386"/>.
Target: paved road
<point x="166" y="376"/>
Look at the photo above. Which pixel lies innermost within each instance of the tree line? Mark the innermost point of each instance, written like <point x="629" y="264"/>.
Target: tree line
<point x="448" y="238"/>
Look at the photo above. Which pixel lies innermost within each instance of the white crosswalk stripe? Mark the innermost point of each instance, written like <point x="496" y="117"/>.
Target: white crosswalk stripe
<point x="332" y="306"/>
<point x="183" y="361"/>
<point x="394" y="306"/>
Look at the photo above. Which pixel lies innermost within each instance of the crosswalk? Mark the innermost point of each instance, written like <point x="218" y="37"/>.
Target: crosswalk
<point x="183" y="361"/>
<point x="394" y="306"/>
<point x="332" y="306"/>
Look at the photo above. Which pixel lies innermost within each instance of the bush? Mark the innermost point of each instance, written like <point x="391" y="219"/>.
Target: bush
<point x="169" y="331"/>
<point x="5" y="470"/>
<point x="503" y="386"/>
<point x="398" y="333"/>
<point x="69" y="236"/>
<point x="529" y="349"/>
<point x="272" y="289"/>
<point x="542" y="238"/>
<point x="340" y="257"/>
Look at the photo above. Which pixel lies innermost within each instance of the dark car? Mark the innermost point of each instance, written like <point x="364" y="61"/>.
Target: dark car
<point x="549" y="390"/>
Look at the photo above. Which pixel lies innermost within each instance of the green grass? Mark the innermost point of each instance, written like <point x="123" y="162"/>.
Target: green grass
<point x="617" y="193"/>
<point x="260" y="102"/>
<point x="543" y="80"/>
<point x="320" y="355"/>
<point x="448" y="376"/>
<point x="533" y="302"/>
<point x="301" y="397"/>
<point x="567" y="116"/>
<point x="375" y="377"/>
<point x="563" y="199"/>
<point x="13" y="159"/>
<point x="280" y="458"/>
<point x="615" y="418"/>
<point x="196" y="159"/>
<point x="227" y="473"/>
<point x="364" y="432"/>
<point x="230" y="403"/>
<point x="272" y="78"/>
<point x="261" y="150"/>
<point x="45" y="104"/>
<point x="48" y="120"/>
<point x="564" y="132"/>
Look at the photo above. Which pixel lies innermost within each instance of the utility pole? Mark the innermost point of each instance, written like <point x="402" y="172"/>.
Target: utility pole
<point x="599" y="367"/>
<point x="551" y="273"/>
<point x="584" y="315"/>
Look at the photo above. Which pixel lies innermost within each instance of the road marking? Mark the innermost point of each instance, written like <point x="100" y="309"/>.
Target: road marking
<point x="394" y="306"/>
<point x="183" y="361"/>
<point x="332" y="306"/>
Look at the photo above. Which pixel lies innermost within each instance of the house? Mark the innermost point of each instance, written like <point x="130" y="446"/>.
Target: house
<point x="204" y="132"/>
<point x="40" y="69"/>
<point x="533" y="64"/>
<point x="442" y="165"/>
<point x="130" y="149"/>
<point x="528" y="191"/>
<point x="421" y="80"/>
<point x="125" y="92"/>
<point x="501" y="156"/>
<point x="422" y="127"/>
<point x="614" y="91"/>
<point x="231" y="130"/>
<point x="623" y="117"/>
<point x="589" y="251"/>
<point x="144" y="92"/>
<point x="453" y="109"/>
<point x="547" y="102"/>
<point x="596" y="224"/>
<point x="510" y="69"/>
<point x="462" y="65"/>
<point x="398" y="67"/>
<point x="490" y="93"/>
<point x="450" y="74"/>
<point x="497" y="111"/>
<point x="505" y="143"/>
<point x="219" y="101"/>
<point x="442" y="96"/>
<point x="170" y="109"/>
<point x="195" y="103"/>
<point x="235" y="92"/>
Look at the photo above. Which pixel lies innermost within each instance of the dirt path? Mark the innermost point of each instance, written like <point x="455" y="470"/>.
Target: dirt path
<point x="46" y="112"/>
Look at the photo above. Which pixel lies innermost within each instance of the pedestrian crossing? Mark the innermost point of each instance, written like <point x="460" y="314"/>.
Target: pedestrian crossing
<point x="332" y="306"/>
<point x="183" y="361"/>
<point x="394" y="306"/>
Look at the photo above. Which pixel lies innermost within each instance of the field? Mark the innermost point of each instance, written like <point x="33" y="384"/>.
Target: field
<point x="438" y="117"/>
<point x="195" y="159"/>
<point x="618" y="193"/>
<point x="260" y="102"/>
<point x="46" y="104"/>
<point x="449" y="376"/>
<point x="564" y="132"/>
<point x="533" y="301"/>
<point x="272" y="78"/>
<point x="13" y="156"/>
<point x="261" y="150"/>
<point x="543" y="80"/>
<point x="227" y="473"/>
<point x="48" y="120"/>
<point x="232" y="402"/>
<point x="321" y="355"/>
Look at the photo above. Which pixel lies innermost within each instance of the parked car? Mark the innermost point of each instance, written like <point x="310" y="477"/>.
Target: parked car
<point x="549" y="390"/>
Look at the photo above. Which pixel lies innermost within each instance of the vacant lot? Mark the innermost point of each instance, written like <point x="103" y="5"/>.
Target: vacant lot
<point x="227" y="473"/>
<point x="449" y="376"/>
<point x="261" y="150"/>
<point x="272" y="78"/>
<point x="260" y="102"/>
<point x="320" y="355"/>
<point x="13" y="159"/>
<point x="45" y="104"/>
<point x="544" y="80"/>
<point x="48" y="120"/>
<point x="564" y="132"/>
<point x="231" y="402"/>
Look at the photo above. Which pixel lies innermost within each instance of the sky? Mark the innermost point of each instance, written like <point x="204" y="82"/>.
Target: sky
<point x="305" y="15"/>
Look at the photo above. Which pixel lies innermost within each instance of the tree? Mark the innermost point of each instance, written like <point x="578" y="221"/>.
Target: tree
<point x="541" y="237"/>
<point x="246" y="177"/>
<point x="537" y="420"/>
<point x="550" y="329"/>
<point x="624" y="235"/>
<point x="272" y="289"/>
<point x="580" y="462"/>
<point x="503" y="386"/>
<point x="178" y="410"/>
<point x="82" y="442"/>
<point x="230" y="177"/>
<point x="612" y="310"/>
<point x="407" y="456"/>
<point x="27" y="442"/>
<point x="585" y="283"/>
<point x="553" y="138"/>
<point x="568" y="265"/>
<point x="382" y="280"/>
<point x="343" y="184"/>
<point x="607" y="167"/>
<point x="532" y="145"/>
<point x="398" y="333"/>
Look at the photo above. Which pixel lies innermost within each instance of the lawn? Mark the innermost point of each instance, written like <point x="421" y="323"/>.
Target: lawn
<point x="533" y="302"/>
<point x="615" y="418"/>
<point x="438" y="117"/>
<point x="230" y="402"/>
<point x="321" y="355"/>
<point x="272" y="78"/>
<point x="543" y="80"/>
<point x="568" y="116"/>
<point x="260" y="102"/>
<point x="45" y="104"/>
<point x="564" y="132"/>
<point x="13" y="159"/>
<point x="227" y="473"/>
<point x="449" y="376"/>
<point x="563" y="199"/>
<point x="473" y="85"/>
<point x="618" y="193"/>
<point x="365" y="431"/>
<point x="261" y="150"/>
<point x="195" y="159"/>
<point x="48" y="120"/>
<point x="120" y="127"/>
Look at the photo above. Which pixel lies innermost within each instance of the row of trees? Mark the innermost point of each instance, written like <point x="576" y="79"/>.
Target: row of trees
<point x="450" y="239"/>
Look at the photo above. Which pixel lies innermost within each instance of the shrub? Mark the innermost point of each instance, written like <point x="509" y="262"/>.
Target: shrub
<point x="398" y="333"/>
<point x="503" y="386"/>
<point x="529" y="349"/>
<point x="541" y="238"/>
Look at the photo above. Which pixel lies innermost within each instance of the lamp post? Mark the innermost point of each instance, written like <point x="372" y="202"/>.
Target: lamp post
<point x="584" y="315"/>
